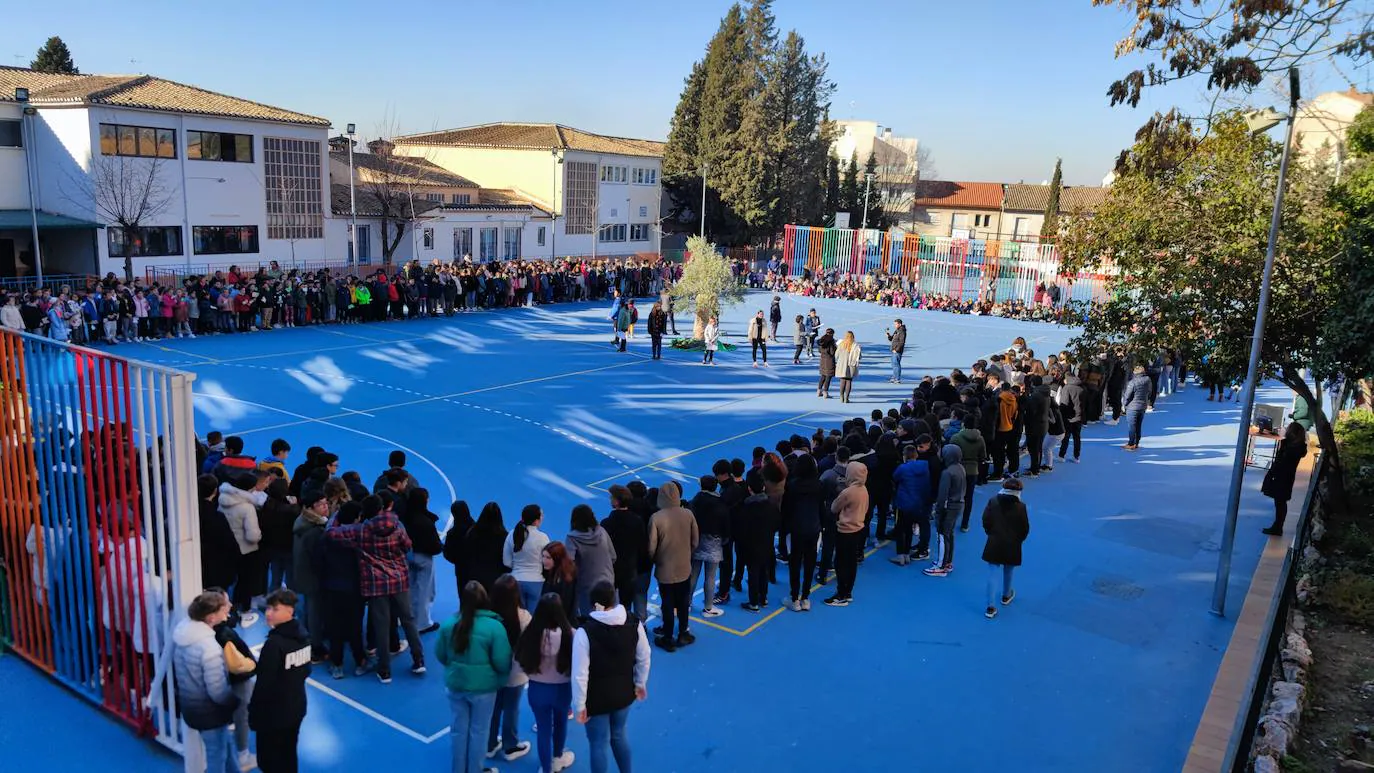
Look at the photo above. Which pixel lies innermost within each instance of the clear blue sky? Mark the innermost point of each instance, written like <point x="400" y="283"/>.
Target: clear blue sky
<point x="997" y="89"/>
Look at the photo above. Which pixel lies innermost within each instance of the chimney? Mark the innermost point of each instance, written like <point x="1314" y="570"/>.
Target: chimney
<point x="887" y="135"/>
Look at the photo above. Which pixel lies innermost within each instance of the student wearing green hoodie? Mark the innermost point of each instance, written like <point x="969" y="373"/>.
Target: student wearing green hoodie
<point x="475" y="652"/>
<point x="974" y="451"/>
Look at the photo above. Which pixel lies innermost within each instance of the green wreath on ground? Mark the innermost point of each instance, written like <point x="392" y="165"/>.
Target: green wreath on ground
<point x="697" y="345"/>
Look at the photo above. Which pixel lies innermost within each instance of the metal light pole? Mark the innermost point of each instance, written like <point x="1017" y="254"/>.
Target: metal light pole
<point x="352" y="202"/>
<point x="553" y="207"/>
<point x="868" y="180"/>
<point x="704" y="167"/>
<point x="26" y="133"/>
<point x="1228" y="533"/>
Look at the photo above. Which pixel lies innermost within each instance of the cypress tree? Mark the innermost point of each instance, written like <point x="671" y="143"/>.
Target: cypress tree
<point x="54" y="57"/>
<point x="850" y="195"/>
<point x="834" y="202"/>
<point x="1050" y="228"/>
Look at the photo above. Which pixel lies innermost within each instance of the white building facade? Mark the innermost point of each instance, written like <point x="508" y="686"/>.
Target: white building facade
<point x="603" y="194"/>
<point x="209" y="179"/>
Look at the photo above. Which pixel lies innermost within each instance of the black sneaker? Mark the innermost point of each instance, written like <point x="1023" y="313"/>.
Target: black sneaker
<point x="822" y="578"/>
<point x="721" y="599"/>
<point x="685" y="638"/>
<point x="383" y="678"/>
<point x="921" y="555"/>
<point x="664" y="643"/>
<point x="431" y="628"/>
<point x="836" y="601"/>
<point x="750" y="607"/>
<point x="418" y="669"/>
<point x="659" y="630"/>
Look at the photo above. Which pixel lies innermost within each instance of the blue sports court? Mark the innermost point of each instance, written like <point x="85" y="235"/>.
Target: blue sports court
<point x="1103" y="663"/>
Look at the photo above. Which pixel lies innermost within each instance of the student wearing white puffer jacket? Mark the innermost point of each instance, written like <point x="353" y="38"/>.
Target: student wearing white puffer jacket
<point x="202" y="680"/>
<point x="239" y="501"/>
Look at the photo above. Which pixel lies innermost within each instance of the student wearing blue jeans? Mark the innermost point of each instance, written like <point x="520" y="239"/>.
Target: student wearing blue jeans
<point x="475" y="652"/>
<point x="610" y="671"/>
<point x="544" y="652"/>
<point x="1007" y="524"/>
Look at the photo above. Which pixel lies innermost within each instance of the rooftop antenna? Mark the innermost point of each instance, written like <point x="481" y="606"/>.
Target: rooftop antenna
<point x="135" y="63"/>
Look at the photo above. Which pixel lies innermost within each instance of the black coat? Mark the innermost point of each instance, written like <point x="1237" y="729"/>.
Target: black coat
<point x="1278" y="481"/>
<point x="631" y="542"/>
<point x="278" y="518"/>
<point x="424" y="536"/>
<point x="1036" y="411"/>
<point x="826" y="344"/>
<point x="1007" y="525"/>
<point x="482" y="557"/>
<point x="758" y="522"/>
<point x="712" y="515"/>
<point x="944" y="392"/>
<point x="802" y="504"/>
<point x="219" y="552"/>
<point x="453" y="551"/>
<point x="283" y="666"/>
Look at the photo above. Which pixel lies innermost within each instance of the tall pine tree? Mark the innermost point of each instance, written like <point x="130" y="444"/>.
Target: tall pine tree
<point x="1050" y="228"/>
<point x="754" y="112"/>
<point x="55" y="57"/>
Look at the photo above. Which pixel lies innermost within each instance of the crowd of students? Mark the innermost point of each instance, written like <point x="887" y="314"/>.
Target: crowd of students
<point x="113" y="311"/>
<point x="564" y="617"/>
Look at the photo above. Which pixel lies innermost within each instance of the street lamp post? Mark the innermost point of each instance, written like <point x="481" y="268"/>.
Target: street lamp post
<point x="553" y="206"/>
<point x="1257" y="123"/>
<point x="26" y="133"/>
<point x="352" y="202"/>
<point x="868" y="180"/>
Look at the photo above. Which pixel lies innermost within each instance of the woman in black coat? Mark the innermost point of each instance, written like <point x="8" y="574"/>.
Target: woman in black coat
<point x="1007" y="525"/>
<point x="484" y="547"/>
<point x="802" y="505"/>
<point x="1278" y="482"/>
<point x="219" y="552"/>
<point x="826" y="344"/>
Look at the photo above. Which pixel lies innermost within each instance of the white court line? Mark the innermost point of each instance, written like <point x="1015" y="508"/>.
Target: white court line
<point x="385" y="720"/>
<point x="453" y="493"/>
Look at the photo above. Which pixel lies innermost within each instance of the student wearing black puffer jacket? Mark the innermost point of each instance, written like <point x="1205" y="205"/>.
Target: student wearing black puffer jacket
<point x="278" y="706"/>
<point x="278" y="518"/>
<point x="713" y="530"/>
<point x="802" y="505"/>
<point x="340" y="585"/>
<point x="219" y="551"/>
<point x="420" y="523"/>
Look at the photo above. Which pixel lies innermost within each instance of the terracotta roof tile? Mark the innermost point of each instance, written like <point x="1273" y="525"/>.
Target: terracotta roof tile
<point x="942" y="193"/>
<point x="139" y="91"/>
<point x="1072" y="198"/>
<point x="420" y="170"/>
<point x="1082" y="198"/>
<point x="535" y="136"/>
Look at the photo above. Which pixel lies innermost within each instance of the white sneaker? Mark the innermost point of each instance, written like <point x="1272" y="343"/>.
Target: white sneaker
<point x="563" y="761"/>
<point x="519" y="751"/>
<point x="247" y="761"/>
<point x="248" y="619"/>
<point x="713" y="612"/>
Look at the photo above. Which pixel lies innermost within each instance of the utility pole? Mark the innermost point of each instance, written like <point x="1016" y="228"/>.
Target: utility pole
<point x="352" y="202"/>
<point x="704" y="167"/>
<point x="868" y="179"/>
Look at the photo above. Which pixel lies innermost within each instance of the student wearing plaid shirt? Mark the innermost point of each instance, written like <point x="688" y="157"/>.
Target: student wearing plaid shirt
<point x="382" y="544"/>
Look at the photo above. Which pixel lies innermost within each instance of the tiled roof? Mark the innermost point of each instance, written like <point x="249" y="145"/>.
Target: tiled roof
<point x="535" y="136"/>
<point x="1034" y="198"/>
<point x="368" y="202"/>
<point x="942" y="193"/>
<point x="138" y="91"/>
<point x="420" y="171"/>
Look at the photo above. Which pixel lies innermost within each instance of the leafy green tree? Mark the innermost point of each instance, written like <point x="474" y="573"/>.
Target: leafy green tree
<point x="833" y="199"/>
<point x="1347" y="332"/>
<point x="851" y="196"/>
<point x="707" y="282"/>
<point x="1050" y="228"/>
<point x="54" y="57"/>
<point x="1186" y="223"/>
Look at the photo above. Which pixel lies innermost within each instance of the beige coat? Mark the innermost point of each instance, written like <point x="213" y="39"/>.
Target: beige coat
<point x="851" y="505"/>
<point x="847" y="361"/>
<point x="672" y="536"/>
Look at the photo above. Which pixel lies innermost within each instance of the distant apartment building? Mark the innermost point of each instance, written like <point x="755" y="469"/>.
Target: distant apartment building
<point x="1321" y="125"/>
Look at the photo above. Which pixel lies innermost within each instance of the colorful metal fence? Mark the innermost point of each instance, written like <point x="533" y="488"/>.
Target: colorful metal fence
<point x="98" y="524"/>
<point x="967" y="269"/>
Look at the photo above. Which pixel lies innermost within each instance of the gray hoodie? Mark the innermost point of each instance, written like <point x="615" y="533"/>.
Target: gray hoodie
<point x="950" y="494"/>
<point x="594" y="555"/>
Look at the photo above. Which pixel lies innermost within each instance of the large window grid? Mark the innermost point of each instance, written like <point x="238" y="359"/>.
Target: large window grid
<point x="645" y="176"/>
<point x="143" y="141"/>
<point x="291" y="171"/>
<point x="489" y="238"/>
<point x="510" y="244"/>
<point x="579" y="197"/>
<point x="147" y="241"/>
<point x="613" y="232"/>
<point x="639" y="232"/>
<point x="224" y="239"/>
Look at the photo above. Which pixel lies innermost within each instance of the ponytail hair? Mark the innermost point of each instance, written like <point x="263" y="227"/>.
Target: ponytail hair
<point x="528" y="517"/>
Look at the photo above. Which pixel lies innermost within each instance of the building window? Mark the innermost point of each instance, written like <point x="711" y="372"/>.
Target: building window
<point x="510" y="244"/>
<point x="148" y="241"/>
<point x="539" y="236"/>
<point x="488" y="245"/>
<point x="224" y="239"/>
<point x="428" y="237"/>
<point x="579" y="197"/>
<point x="614" y="174"/>
<point x="11" y="134"/>
<point x="639" y="232"/>
<point x="645" y="176"/>
<point x="220" y="146"/>
<point x="437" y="198"/>
<point x="462" y="243"/>
<point x="143" y="141"/>
<point x="643" y="211"/>
<point x="461" y="199"/>
<point x="291" y="177"/>
<point x="613" y="233"/>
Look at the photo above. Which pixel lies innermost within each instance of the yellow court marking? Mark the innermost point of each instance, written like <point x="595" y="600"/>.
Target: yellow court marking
<point x="680" y="454"/>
